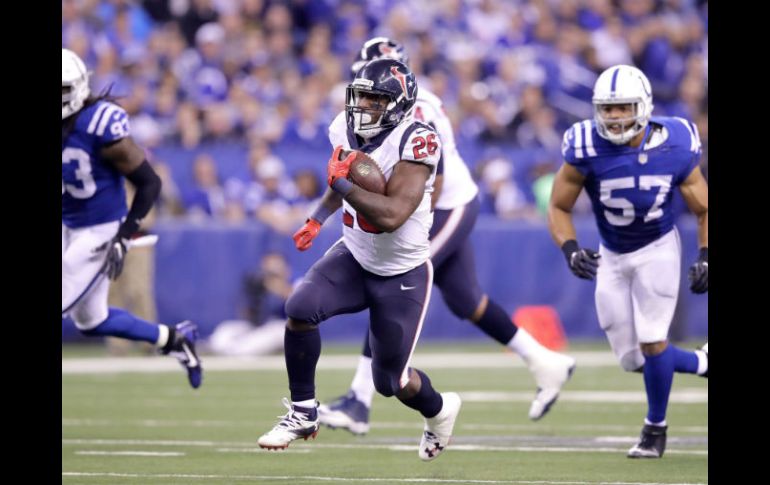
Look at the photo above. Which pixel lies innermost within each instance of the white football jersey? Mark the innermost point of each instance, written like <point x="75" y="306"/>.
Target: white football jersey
<point x="381" y="253"/>
<point x="458" y="188"/>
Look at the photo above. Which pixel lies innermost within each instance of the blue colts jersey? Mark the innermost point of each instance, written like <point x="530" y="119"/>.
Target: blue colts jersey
<point x="631" y="188"/>
<point x="92" y="189"/>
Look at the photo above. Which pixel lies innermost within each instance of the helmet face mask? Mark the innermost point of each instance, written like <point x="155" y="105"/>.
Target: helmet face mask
<point x="622" y="103"/>
<point x="382" y="94"/>
<point x="368" y="109"/>
<point x="74" y="83"/>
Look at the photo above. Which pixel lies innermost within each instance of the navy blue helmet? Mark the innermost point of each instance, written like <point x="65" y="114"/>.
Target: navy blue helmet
<point x="378" y="48"/>
<point x="380" y="97"/>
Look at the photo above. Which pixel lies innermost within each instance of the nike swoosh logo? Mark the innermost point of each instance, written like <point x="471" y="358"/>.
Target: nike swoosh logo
<point x="407" y="287"/>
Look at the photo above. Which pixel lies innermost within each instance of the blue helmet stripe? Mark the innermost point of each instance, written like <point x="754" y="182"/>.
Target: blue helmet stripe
<point x="614" y="81"/>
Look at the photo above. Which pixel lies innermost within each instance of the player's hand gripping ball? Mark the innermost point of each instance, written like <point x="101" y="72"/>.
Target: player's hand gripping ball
<point x="364" y="172"/>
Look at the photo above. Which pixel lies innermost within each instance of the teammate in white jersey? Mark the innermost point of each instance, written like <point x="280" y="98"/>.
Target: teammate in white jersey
<point x="456" y="208"/>
<point x="381" y="263"/>
<point x="628" y="163"/>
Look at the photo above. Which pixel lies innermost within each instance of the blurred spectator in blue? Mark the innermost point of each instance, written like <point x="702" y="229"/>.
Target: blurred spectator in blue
<point x="308" y="125"/>
<point x="208" y="83"/>
<point x="206" y="198"/>
<point x="131" y="21"/>
<point x="169" y="204"/>
<point x="198" y="13"/>
<point x="610" y="45"/>
<point x="277" y="196"/>
<point x="189" y="126"/>
<point x="500" y="195"/>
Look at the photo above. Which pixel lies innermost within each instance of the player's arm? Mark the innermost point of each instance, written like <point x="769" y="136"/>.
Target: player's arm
<point x="405" y="189"/>
<point x="330" y="202"/>
<point x="130" y="161"/>
<point x="695" y="192"/>
<point x="567" y="185"/>
<point x="438" y="184"/>
<point x="566" y="188"/>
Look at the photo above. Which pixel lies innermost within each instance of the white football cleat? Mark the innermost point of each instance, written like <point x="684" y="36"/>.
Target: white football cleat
<point x="438" y="429"/>
<point x="550" y="373"/>
<point x="297" y="423"/>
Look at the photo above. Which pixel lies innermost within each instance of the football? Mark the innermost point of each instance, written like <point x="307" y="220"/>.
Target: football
<point x="365" y="172"/>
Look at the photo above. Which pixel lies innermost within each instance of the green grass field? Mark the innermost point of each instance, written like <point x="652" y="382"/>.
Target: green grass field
<point x="151" y="428"/>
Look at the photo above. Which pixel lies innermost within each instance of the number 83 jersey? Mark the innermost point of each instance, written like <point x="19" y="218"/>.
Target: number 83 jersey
<point x="631" y="188"/>
<point x="92" y="189"/>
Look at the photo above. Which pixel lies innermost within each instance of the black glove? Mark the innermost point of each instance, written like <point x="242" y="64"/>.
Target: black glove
<point x="115" y="257"/>
<point x="699" y="273"/>
<point x="583" y="262"/>
<point x="118" y="248"/>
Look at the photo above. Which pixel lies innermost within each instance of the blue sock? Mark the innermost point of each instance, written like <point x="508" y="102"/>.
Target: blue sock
<point x="302" y="351"/>
<point x="658" y="376"/>
<point x="122" y="324"/>
<point x="427" y="401"/>
<point x="685" y="361"/>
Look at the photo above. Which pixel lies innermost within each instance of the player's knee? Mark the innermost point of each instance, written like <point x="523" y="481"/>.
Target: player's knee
<point x="653" y="348"/>
<point x="303" y="306"/>
<point x="463" y="308"/>
<point x="386" y="383"/>
<point x="632" y="361"/>
<point x="87" y="320"/>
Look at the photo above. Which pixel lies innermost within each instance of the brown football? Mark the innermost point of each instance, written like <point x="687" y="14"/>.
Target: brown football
<point x="365" y="172"/>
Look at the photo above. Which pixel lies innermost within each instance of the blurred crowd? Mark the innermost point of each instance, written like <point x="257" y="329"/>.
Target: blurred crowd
<point x="269" y="76"/>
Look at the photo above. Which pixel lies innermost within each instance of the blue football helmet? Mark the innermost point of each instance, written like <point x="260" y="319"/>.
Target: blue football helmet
<point x="378" y="48"/>
<point x="381" y="95"/>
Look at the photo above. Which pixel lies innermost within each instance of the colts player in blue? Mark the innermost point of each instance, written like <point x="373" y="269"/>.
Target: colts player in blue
<point x="629" y="162"/>
<point x="97" y="153"/>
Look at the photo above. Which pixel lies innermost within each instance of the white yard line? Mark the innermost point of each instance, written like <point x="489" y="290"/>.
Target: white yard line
<point x="244" y="447"/>
<point x="683" y="396"/>
<point x="161" y="423"/>
<point x="130" y="453"/>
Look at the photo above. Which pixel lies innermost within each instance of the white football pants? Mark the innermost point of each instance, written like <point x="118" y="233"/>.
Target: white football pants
<point x="80" y="276"/>
<point x="636" y="296"/>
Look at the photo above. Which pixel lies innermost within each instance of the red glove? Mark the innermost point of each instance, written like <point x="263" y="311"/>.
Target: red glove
<point x="338" y="169"/>
<point x="303" y="238"/>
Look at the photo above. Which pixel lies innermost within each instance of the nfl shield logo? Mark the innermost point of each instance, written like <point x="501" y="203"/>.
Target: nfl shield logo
<point x="642" y="158"/>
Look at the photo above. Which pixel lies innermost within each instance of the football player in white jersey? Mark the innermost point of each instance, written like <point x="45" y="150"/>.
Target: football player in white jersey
<point x="381" y="263"/>
<point x="456" y="205"/>
<point x="629" y="162"/>
<point x="97" y="154"/>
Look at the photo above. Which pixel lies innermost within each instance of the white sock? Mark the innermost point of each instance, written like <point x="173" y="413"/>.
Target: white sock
<point x="310" y="403"/>
<point x="363" y="384"/>
<point x="703" y="362"/>
<point x="647" y="421"/>
<point x="162" y="336"/>
<point x="525" y="345"/>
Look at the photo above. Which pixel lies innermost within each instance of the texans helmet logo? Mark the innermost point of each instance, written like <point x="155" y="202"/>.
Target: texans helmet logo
<point x="401" y="77"/>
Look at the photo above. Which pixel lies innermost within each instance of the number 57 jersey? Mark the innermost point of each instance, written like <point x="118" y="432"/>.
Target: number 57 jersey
<point x="382" y="253"/>
<point x="92" y="189"/>
<point x="631" y="188"/>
